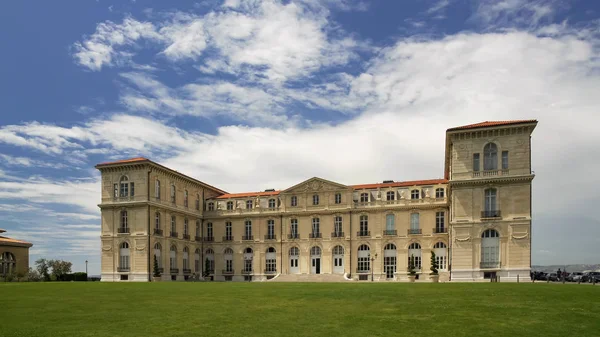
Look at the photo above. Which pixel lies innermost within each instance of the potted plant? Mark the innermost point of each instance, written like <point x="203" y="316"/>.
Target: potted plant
<point x="156" y="274"/>
<point x="434" y="269"/>
<point x="411" y="269"/>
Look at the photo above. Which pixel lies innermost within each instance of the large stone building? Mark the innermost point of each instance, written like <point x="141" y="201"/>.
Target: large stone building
<point x="477" y="220"/>
<point x="14" y="256"/>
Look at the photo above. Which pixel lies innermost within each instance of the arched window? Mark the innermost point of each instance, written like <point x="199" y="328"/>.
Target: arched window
<point x="490" y="157"/>
<point x="272" y="203"/>
<point x="228" y="256"/>
<point x="338" y="250"/>
<point x="123" y="226"/>
<point x="315" y="251"/>
<point x="186" y="259"/>
<point x="439" y="193"/>
<point x="294" y="251"/>
<point x="364" y="264"/>
<point x="390" y="196"/>
<point x="270" y="261"/>
<point x="210" y="256"/>
<point x="490" y="249"/>
<point x="441" y="255"/>
<point x="157" y="189"/>
<point x="414" y="194"/>
<point x="364" y="226"/>
<point x="173" y="260"/>
<point x="8" y="263"/>
<point x="315" y="199"/>
<point x="197" y="261"/>
<point x="364" y="197"/>
<point x="415" y="250"/>
<point x="389" y="260"/>
<point x="157" y="253"/>
<point x="124" y="257"/>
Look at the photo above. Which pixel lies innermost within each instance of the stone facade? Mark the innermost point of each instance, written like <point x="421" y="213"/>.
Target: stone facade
<point x="14" y="256"/>
<point x="477" y="220"/>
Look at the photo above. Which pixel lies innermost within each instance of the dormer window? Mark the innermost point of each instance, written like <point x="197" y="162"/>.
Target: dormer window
<point x="211" y="206"/>
<point x="390" y="195"/>
<point x="248" y="204"/>
<point x="439" y="193"/>
<point x="414" y="194"/>
<point x="271" y="203"/>
<point x="364" y="197"/>
<point x="230" y="205"/>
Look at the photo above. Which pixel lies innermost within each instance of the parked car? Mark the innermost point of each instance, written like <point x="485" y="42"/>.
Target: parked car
<point x="552" y="277"/>
<point x="575" y="276"/>
<point x="594" y="277"/>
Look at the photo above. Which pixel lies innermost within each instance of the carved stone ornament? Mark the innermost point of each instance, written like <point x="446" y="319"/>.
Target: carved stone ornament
<point x="519" y="236"/>
<point x="106" y="248"/>
<point x="468" y="238"/>
<point x="314" y="185"/>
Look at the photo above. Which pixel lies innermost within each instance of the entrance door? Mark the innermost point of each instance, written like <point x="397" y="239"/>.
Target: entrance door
<point x="294" y="255"/>
<point x="316" y="265"/>
<point x="338" y="260"/>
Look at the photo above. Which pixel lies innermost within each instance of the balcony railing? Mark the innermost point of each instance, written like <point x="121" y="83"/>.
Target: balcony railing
<point x="489" y="265"/>
<point x="270" y="271"/>
<point x="174" y="270"/>
<point x="228" y="238"/>
<point x="122" y="269"/>
<point x="270" y="237"/>
<point x="209" y="239"/>
<point x="363" y="233"/>
<point x="314" y="235"/>
<point x="390" y="232"/>
<point x="337" y="234"/>
<point x="248" y="237"/>
<point x="293" y="236"/>
<point x="491" y="173"/>
<point x="187" y="271"/>
<point x="439" y="230"/>
<point x="173" y="234"/>
<point x="415" y="231"/>
<point x="247" y="271"/>
<point x="491" y="214"/>
<point x="198" y="238"/>
<point x="123" y="230"/>
<point x="158" y="231"/>
<point x="186" y="236"/>
<point x="362" y="271"/>
<point x="226" y="272"/>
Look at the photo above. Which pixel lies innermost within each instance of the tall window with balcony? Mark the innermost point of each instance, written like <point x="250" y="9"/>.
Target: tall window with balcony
<point x="185" y="198"/>
<point x="186" y="260"/>
<point x="505" y="160"/>
<point x="490" y="249"/>
<point x="441" y="255"/>
<point x="315" y="199"/>
<point x="337" y="227"/>
<point x="491" y="210"/>
<point x="157" y="229"/>
<point x="173" y="227"/>
<point x="272" y="204"/>
<point x="390" y="225"/>
<point x="389" y="260"/>
<point x="124" y="257"/>
<point x="173" y="260"/>
<point x="364" y="226"/>
<point x="210" y="255"/>
<point x="439" y="193"/>
<point x="270" y="230"/>
<point x="248" y="204"/>
<point x="173" y="193"/>
<point x="198" y="232"/>
<point x="390" y="196"/>
<point x="294" y="229"/>
<point x="490" y="157"/>
<point x="228" y="255"/>
<point x="316" y="232"/>
<point x="364" y="197"/>
<point x="228" y="233"/>
<point x="414" y="224"/>
<point x="157" y="189"/>
<point x="415" y="250"/>
<point x="271" y="261"/>
<point x="123" y="225"/>
<point x="248" y="258"/>
<point x="440" y="222"/>
<point x="209" y="232"/>
<point x="197" y="261"/>
<point x="476" y="164"/>
<point x="338" y="198"/>
<point x="230" y="205"/>
<point x="414" y="194"/>
<point x="364" y="263"/>
<point x="186" y="229"/>
<point x="248" y="231"/>
<point x="158" y="254"/>
<point x="294" y="201"/>
<point x="197" y="202"/>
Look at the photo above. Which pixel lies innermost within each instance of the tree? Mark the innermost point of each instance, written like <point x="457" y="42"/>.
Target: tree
<point x="434" y="264"/>
<point x="60" y="268"/>
<point x="42" y="266"/>
<point x="34" y="275"/>
<point x="156" y="271"/>
<point x="411" y="265"/>
<point x="206" y="272"/>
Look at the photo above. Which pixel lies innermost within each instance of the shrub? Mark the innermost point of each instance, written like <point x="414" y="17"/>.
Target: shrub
<point x="411" y="265"/>
<point x="434" y="264"/>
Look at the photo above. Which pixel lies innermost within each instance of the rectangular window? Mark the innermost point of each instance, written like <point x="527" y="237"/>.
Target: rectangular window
<point x="131" y="188"/>
<point x="209" y="230"/>
<point x="294" y="201"/>
<point x="364" y="197"/>
<point x="249" y="204"/>
<point x="414" y="221"/>
<point x="185" y="198"/>
<point x="315" y="199"/>
<point x="390" y="222"/>
<point x="185" y="226"/>
<point x="315" y="226"/>
<point x="228" y="230"/>
<point x="248" y="229"/>
<point x="294" y="227"/>
<point x="229" y="265"/>
<point x="271" y="265"/>
<point x="439" y="193"/>
<point x="271" y="228"/>
<point x="157" y="221"/>
<point x="173" y="225"/>
<point x="440" y="221"/>
<point x="172" y="193"/>
<point x="390" y="195"/>
<point x="124" y="189"/>
<point x="338" y="198"/>
<point x="157" y="189"/>
<point x="475" y="162"/>
<point x="197" y="204"/>
<point x="337" y="223"/>
<point x="116" y="186"/>
<point x="504" y="160"/>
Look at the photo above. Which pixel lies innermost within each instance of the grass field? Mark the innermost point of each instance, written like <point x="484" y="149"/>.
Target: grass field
<point x="298" y="309"/>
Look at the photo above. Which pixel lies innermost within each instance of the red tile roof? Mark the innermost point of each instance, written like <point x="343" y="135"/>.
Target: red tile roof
<point x="124" y="161"/>
<point x="402" y="183"/>
<point x="6" y="240"/>
<point x="247" y="194"/>
<point x="492" y="123"/>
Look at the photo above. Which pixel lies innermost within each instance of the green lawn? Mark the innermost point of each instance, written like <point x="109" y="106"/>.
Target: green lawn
<point x="298" y="309"/>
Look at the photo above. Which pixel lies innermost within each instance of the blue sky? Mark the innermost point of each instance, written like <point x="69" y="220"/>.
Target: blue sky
<point x="251" y="94"/>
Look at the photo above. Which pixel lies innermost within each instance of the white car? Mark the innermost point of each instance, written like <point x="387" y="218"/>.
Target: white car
<point x="575" y="276"/>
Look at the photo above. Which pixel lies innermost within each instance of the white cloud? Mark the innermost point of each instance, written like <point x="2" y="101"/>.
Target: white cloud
<point x="520" y="13"/>
<point x="438" y="6"/>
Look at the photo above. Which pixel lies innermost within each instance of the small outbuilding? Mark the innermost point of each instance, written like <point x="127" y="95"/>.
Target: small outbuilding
<point x="14" y="256"/>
